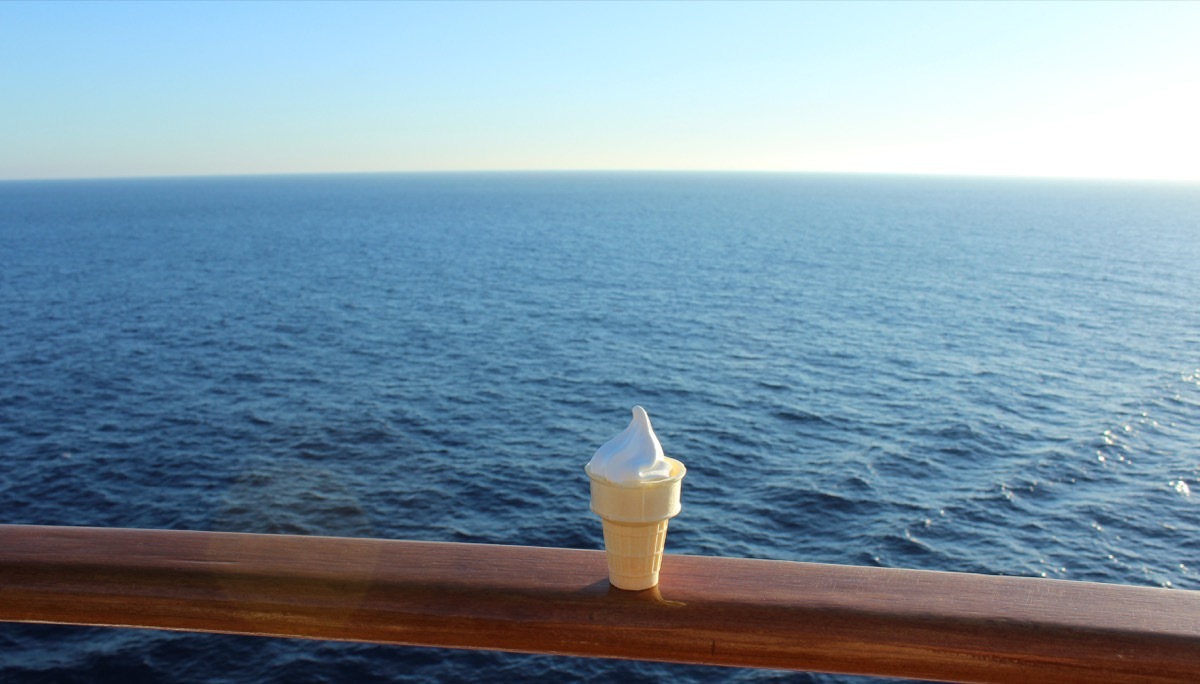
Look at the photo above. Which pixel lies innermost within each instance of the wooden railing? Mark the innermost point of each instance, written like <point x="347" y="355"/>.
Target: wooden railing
<point x="717" y="611"/>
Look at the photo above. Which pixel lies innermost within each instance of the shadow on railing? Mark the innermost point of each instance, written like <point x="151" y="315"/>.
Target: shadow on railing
<point x="713" y="611"/>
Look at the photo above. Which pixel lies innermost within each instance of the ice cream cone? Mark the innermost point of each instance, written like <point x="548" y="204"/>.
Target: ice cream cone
<point x="635" y="520"/>
<point x="634" y="553"/>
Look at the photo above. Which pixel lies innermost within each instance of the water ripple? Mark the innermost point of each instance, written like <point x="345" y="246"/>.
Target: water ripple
<point x="957" y="375"/>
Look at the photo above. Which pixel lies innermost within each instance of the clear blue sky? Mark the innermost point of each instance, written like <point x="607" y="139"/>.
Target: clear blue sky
<point x="1043" y="89"/>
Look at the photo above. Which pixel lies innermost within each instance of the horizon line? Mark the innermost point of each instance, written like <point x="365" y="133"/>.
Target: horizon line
<point x="448" y="172"/>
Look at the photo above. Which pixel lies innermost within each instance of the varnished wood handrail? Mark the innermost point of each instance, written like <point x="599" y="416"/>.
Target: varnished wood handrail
<point x="720" y="611"/>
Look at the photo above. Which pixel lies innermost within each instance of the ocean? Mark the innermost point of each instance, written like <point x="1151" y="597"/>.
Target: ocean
<point x="980" y="375"/>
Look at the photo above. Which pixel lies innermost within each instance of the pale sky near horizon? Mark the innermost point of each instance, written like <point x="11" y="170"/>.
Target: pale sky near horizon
<point x="1070" y="89"/>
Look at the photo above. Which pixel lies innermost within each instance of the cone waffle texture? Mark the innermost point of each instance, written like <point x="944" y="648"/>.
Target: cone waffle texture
<point x="634" y="553"/>
<point x="635" y="525"/>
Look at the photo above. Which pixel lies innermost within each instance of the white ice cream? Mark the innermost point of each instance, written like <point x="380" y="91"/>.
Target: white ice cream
<point x="632" y="457"/>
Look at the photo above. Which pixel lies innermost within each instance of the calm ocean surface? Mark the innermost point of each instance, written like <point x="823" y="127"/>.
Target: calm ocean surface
<point x="992" y="376"/>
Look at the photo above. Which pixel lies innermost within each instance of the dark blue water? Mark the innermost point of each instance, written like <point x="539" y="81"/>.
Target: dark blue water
<point x="970" y="375"/>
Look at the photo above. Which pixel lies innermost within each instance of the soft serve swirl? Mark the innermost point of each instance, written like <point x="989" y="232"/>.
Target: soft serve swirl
<point x="632" y="457"/>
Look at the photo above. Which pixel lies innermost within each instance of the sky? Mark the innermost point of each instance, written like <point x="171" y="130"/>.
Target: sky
<point x="1070" y="89"/>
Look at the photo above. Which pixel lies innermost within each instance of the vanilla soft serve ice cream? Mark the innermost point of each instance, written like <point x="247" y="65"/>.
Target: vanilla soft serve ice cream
<point x="633" y="456"/>
<point x="635" y="491"/>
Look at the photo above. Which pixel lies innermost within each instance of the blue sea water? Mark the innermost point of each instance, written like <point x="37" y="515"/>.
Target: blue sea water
<point x="994" y="376"/>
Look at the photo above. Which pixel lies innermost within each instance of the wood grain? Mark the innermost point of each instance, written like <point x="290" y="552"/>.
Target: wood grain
<point x="721" y="611"/>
